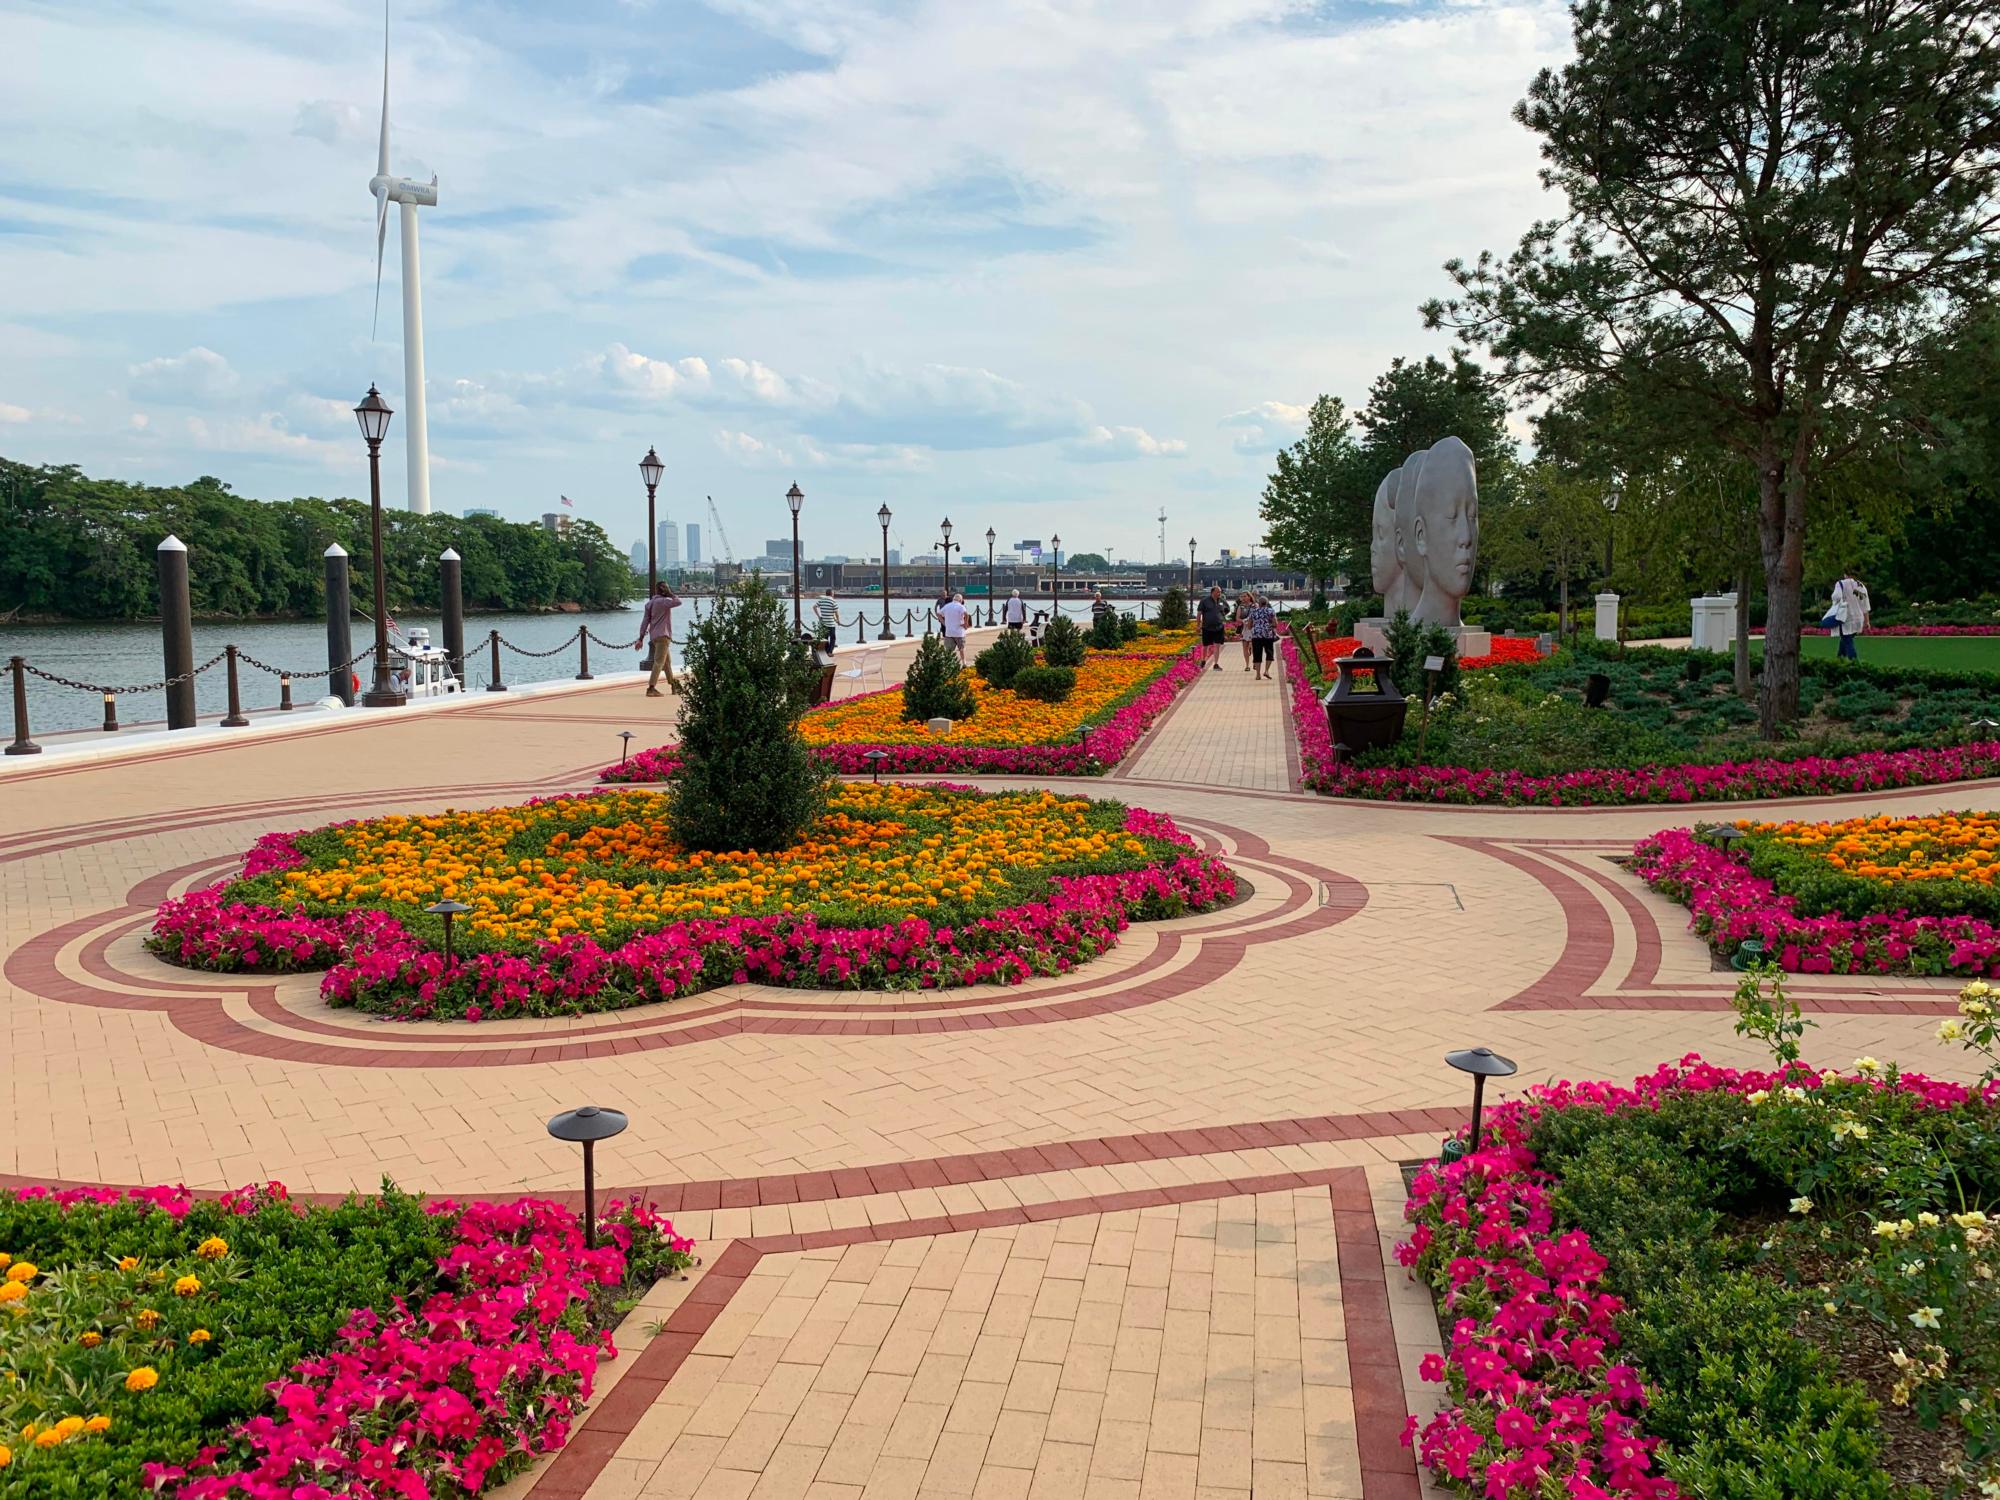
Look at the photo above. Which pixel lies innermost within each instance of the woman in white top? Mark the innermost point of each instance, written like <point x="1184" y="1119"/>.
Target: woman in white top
<point x="1014" y="613"/>
<point x="1849" y="613"/>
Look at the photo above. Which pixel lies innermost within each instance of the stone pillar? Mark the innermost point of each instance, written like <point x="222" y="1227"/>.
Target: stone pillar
<point x="451" y="586"/>
<point x="1607" y="617"/>
<point x="176" y="632"/>
<point x="339" y="626"/>
<point x="1722" y="622"/>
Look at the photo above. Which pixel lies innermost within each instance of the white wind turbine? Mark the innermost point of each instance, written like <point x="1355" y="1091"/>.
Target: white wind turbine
<point x="409" y="195"/>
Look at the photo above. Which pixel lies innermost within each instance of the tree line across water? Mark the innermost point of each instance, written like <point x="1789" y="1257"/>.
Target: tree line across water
<point x="77" y="548"/>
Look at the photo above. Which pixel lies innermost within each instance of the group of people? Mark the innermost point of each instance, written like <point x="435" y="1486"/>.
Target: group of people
<point x="1256" y="626"/>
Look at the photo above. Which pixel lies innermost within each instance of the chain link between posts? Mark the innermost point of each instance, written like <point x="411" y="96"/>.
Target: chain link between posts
<point x="345" y="666"/>
<point x="146" y="687"/>
<point x="563" y="645"/>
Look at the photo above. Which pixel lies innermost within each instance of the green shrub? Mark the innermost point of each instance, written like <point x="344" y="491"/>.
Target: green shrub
<point x="1062" y="643"/>
<point x="1367" y="607"/>
<point x="936" y="687"/>
<point x="1045" y="684"/>
<point x="1128" y="626"/>
<point x="1173" y="609"/>
<point x="746" y="779"/>
<point x="1104" y="632"/>
<point x="999" y="662"/>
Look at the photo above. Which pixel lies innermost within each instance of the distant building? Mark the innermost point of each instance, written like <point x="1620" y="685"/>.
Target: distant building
<point x="895" y="557"/>
<point x="638" y="557"/>
<point x="481" y="510"/>
<point x="1030" y="549"/>
<point x="781" y="548"/>
<point x="694" y="545"/>
<point x="669" y="538"/>
<point x="556" y="521"/>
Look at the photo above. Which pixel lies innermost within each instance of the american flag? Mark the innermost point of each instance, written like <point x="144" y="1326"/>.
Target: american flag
<point x="569" y="502"/>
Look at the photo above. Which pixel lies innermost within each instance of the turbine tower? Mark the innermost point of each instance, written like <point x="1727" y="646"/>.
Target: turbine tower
<point x="409" y="196"/>
<point x="1163" y="536"/>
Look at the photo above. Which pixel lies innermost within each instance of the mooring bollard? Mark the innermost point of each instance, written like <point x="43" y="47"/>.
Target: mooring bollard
<point x="860" y="628"/>
<point x="496" y="685"/>
<point x="22" y="745"/>
<point x="451" y="588"/>
<point x="583" y="653"/>
<point x="176" y="632"/>
<point x="110" y="713"/>
<point x="339" y="627"/>
<point x="284" y="695"/>
<point x="235" y="719"/>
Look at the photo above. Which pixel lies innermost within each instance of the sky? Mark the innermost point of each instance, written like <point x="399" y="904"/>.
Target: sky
<point x="1049" y="266"/>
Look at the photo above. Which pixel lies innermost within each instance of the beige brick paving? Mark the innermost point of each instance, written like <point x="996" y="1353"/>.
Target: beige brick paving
<point x="1229" y="729"/>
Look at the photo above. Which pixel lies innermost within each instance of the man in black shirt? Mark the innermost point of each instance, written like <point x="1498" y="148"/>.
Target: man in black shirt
<point x="1213" y="613"/>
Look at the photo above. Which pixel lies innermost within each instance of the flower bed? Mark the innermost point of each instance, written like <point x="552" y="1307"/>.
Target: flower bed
<point x="1508" y="651"/>
<point x="160" y="1344"/>
<point x="1728" y="902"/>
<point x="580" y="903"/>
<point x="1619" y="1269"/>
<point x="1118" y="695"/>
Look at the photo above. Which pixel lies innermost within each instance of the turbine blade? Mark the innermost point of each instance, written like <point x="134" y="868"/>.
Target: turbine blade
<point x="381" y="238"/>
<point x="382" y="150"/>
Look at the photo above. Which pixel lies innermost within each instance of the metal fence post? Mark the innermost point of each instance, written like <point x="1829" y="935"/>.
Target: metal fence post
<point x="496" y="685"/>
<point x="583" y="653"/>
<point x="110" y="713"/>
<point x="22" y="745"/>
<point x="176" y="633"/>
<point x="451" y="584"/>
<point x="235" y="719"/>
<point x="339" y="627"/>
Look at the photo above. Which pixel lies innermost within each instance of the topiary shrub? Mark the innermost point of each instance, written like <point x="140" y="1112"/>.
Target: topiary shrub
<point x="1410" y="642"/>
<point x="1046" y="684"/>
<point x="1173" y="609"/>
<point x="936" y="687"/>
<point x="1128" y="626"/>
<point x="1062" y="643"/>
<point x="745" y="780"/>
<point x="999" y="662"/>
<point x="1104" y="634"/>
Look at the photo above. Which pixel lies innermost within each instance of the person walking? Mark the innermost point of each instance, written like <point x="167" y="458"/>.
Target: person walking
<point x="656" y="636"/>
<point x="1099" y="605"/>
<point x="1260" y="629"/>
<point x="828" y="614"/>
<point x="953" y="616"/>
<point x="1849" y="613"/>
<point x="1240" y="618"/>
<point x="1214" y="615"/>
<point x="1014" y="613"/>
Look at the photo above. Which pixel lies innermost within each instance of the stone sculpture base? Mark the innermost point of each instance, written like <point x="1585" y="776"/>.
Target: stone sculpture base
<point x="1374" y="634"/>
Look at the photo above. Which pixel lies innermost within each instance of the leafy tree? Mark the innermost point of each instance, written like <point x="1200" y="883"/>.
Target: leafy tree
<point x="1557" y="529"/>
<point x="1173" y="609"/>
<point x="935" y="686"/>
<point x="1086" y="562"/>
<point x="1311" y="499"/>
<point x="746" y="779"/>
<point x="1062" y="643"/>
<point x="1411" y="406"/>
<point x="1772" y="205"/>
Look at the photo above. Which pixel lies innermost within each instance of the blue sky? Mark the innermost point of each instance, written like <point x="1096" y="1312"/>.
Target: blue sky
<point x="1044" y="265"/>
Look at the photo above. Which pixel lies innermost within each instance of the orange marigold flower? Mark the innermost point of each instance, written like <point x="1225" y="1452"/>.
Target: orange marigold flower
<point x="142" y="1379"/>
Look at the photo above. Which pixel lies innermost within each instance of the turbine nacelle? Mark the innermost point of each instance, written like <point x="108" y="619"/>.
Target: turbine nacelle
<point x="405" y="190"/>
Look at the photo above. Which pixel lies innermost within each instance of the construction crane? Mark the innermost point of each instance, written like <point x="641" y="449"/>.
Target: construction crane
<point x="715" y="520"/>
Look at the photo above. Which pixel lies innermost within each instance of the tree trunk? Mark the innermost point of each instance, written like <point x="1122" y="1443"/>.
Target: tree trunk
<point x="1781" y="533"/>
<point x="1562" y="616"/>
<point x="1743" y="633"/>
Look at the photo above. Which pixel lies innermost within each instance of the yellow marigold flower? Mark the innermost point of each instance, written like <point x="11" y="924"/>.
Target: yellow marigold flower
<point x="187" y="1286"/>
<point x="91" y="1340"/>
<point x="142" y="1379"/>
<point x="48" y="1437"/>
<point x="212" y="1248"/>
<point x="98" y="1424"/>
<point x="12" y="1291"/>
<point x="28" y="1430"/>
<point x="23" y="1270"/>
<point x="6" y="1455"/>
<point x="128" y="1263"/>
<point x="200" y="1336"/>
<point x="6" y="1260"/>
<point x="147" y="1320"/>
<point x="69" y="1427"/>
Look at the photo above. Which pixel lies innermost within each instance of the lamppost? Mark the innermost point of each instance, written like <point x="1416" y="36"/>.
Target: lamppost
<point x="795" y="497"/>
<point x="991" y="537"/>
<point x="373" y="414"/>
<point x="588" y="1125"/>
<point x="650" y="470"/>
<point x="946" y="547"/>
<point x="1190" y="570"/>
<point x="1055" y="546"/>
<point x="887" y="634"/>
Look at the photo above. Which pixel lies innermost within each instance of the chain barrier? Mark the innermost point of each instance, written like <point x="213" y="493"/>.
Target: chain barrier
<point x="631" y="645"/>
<point x="563" y="645"/>
<point x="148" y="687"/>
<point x="343" y="666"/>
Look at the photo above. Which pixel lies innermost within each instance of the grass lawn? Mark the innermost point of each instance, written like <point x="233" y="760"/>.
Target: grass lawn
<point x="1951" y="653"/>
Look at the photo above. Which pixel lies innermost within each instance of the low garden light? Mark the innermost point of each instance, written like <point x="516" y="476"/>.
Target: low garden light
<point x="1727" y="837"/>
<point x="1749" y="953"/>
<point x="626" y="748"/>
<point x="875" y="759"/>
<point x="588" y="1125"/>
<point x="1083" y="739"/>
<point x="1482" y="1063"/>
<point x="1982" y="729"/>
<point x="447" y="909"/>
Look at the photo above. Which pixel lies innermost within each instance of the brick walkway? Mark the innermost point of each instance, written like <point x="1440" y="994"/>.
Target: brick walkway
<point x="1116" y="1233"/>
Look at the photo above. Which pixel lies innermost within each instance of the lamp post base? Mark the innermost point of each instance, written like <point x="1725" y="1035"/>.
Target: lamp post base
<point x="384" y="697"/>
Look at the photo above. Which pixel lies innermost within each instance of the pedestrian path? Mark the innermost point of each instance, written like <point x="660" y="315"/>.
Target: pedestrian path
<point x="1228" y="729"/>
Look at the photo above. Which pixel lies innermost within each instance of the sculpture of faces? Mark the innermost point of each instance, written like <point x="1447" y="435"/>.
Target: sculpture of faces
<point x="1445" y="530"/>
<point x="1382" y="565"/>
<point x="1409" y="586"/>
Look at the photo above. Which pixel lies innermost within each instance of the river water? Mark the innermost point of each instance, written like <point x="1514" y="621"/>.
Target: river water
<point x="129" y="654"/>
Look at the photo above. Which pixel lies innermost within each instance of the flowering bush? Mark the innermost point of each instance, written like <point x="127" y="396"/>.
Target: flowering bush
<point x="250" y="1346"/>
<point x="581" y="903"/>
<point x="1116" y="698"/>
<point x="1728" y="903"/>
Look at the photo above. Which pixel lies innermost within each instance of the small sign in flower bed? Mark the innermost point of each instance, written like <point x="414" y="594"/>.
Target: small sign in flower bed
<point x="585" y="904"/>
<point x="1117" y="696"/>
<point x="1876" y="895"/>
<point x="157" y="1344"/>
<point x="1719" y="1283"/>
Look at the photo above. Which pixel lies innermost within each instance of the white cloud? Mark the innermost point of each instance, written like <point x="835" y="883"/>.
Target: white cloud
<point x="1109" y="444"/>
<point x="1260" y="428"/>
<point x="195" y="378"/>
<point x="12" y="413"/>
<point x="335" y="122"/>
<point x="268" y="433"/>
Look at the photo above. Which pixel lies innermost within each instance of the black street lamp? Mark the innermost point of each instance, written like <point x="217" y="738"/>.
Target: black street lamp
<point x="373" y="414"/>
<point x="1055" y="546"/>
<point x="887" y="634"/>
<point x="1482" y="1063"/>
<point x="946" y="547"/>
<point x="447" y="909"/>
<point x="588" y="1125"/>
<point x="1190" y="570"/>
<point x="991" y="537"/>
<point x="875" y="759"/>
<point x="795" y="497"/>
<point x="650" y="470"/>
